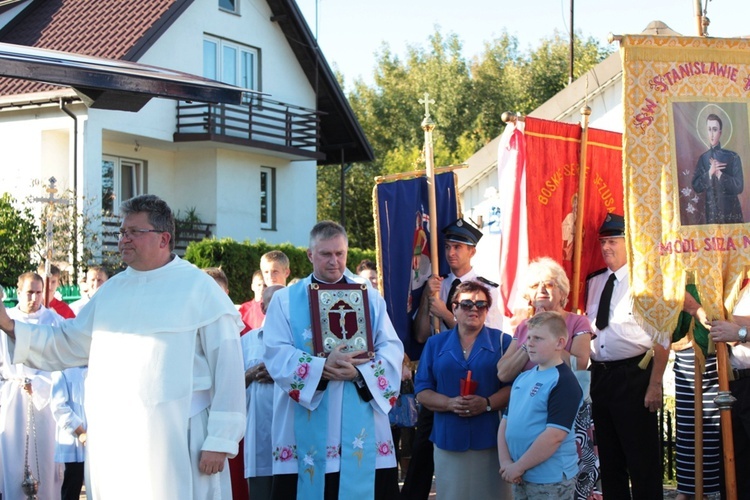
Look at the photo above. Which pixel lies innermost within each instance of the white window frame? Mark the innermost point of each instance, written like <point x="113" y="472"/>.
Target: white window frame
<point x="235" y="64"/>
<point x="137" y="180"/>
<point x="235" y="9"/>
<point x="267" y="198"/>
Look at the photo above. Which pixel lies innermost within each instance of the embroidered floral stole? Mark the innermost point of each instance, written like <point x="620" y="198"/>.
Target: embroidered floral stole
<point x="354" y="446"/>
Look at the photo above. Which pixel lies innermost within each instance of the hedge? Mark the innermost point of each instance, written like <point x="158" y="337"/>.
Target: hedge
<point x="240" y="260"/>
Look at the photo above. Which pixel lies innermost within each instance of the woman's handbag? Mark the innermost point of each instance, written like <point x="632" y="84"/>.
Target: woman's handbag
<point x="404" y="412"/>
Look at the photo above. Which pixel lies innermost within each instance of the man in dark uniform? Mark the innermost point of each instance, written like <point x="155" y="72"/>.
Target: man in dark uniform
<point x="624" y="396"/>
<point x="719" y="175"/>
<point x="461" y="239"/>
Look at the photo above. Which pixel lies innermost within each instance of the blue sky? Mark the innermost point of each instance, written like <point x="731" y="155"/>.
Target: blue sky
<point x="351" y="31"/>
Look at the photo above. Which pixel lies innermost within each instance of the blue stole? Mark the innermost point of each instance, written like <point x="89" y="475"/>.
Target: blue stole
<point x="358" y="447"/>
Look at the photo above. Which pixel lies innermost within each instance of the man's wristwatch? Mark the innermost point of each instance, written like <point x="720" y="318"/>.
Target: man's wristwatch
<point x="743" y="334"/>
<point x="359" y="381"/>
<point x="489" y="404"/>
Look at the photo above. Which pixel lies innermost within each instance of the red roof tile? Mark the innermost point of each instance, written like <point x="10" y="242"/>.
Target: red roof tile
<point x="101" y="28"/>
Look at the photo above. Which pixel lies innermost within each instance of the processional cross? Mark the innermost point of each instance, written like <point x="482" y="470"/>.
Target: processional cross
<point x="29" y="484"/>
<point x="51" y="201"/>
<point x="426" y="101"/>
<point x="429" y="160"/>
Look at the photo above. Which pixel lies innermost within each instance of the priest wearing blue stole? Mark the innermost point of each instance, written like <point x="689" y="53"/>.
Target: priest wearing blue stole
<point x="331" y="434"/>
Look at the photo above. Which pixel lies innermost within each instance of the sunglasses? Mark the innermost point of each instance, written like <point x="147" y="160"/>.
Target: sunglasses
<point x="467" y="305"/>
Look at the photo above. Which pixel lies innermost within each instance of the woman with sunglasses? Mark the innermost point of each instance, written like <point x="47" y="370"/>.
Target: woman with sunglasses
<point x="457" y="380"/>
<point x="546" y="289"/>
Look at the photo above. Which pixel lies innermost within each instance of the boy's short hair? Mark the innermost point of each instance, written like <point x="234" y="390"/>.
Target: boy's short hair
<point x="366" y="264"/>
<point x="218" y="275"/>
<point x="98" y="269"/>
<point x="53" y="270"/>
<point x="276" y="256"/>
<point x="552" y="320"/>
<point x="257" y="274"/>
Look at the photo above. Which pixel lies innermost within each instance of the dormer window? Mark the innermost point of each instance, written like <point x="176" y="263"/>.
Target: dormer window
<point x="228" y="5"/>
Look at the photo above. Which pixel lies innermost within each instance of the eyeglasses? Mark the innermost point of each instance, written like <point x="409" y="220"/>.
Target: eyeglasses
<point x="467" y="304"/>
<point x="548" y="285"/>
<point x="135" y="233"/>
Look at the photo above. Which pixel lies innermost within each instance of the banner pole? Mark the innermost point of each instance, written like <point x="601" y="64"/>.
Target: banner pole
<point x="699" y="17"/>
<point x="724" y="400"/>
<point x="581" y="197"/>
<point x="428" y="126"/>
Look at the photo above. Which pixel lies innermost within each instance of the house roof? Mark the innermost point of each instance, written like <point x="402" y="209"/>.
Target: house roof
<point x="341" y="133"/>
<point x="112" y="29"/>
<point x="119" y="29"/>
<point x="111" y="84"/>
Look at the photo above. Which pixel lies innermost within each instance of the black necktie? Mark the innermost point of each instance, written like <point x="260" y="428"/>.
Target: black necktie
<point x="602" y="315"/>
<point x="449" y="299"/>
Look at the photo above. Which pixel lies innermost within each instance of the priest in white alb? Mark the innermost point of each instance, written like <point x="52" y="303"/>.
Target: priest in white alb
<point x="164" y="393"/>
<point x="19" y="386"/>
<point x="330" y="434"/>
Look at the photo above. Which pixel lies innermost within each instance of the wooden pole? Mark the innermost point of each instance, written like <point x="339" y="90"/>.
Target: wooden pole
<point x="428" y="126"/>
<point x="724" y="400"/>
<point x="581" y="197"/>
<point x="699" y="17"/>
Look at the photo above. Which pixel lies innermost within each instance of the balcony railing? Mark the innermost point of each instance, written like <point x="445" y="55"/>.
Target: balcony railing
<point x="261" y="122"/>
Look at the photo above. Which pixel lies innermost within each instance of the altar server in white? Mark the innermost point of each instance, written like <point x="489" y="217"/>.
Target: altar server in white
<point x="331" y="434"/>
<point x="164" y="392"/>
<point x="21" y="383"/>
<point x="259" y="395"/>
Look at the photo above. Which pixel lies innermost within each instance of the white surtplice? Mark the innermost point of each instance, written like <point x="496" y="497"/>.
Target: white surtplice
<point x="165" y="380"/>
<point x="13" y="419"/>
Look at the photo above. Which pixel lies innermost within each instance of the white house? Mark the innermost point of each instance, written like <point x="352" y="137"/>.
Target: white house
<point x="249" y="171"/>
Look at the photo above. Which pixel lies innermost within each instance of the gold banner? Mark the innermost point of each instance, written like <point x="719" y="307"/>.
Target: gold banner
<point x="685" y="147"/>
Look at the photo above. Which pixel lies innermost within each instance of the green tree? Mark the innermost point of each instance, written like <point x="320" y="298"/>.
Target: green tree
<point x="545" y="72"/>
<point x="19" y="234"/>
<point x="74" y="233"/>
<point x="470" y="97"/>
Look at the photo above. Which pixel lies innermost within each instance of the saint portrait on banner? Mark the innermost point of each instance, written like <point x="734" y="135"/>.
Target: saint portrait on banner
<point x="709" y="150"/>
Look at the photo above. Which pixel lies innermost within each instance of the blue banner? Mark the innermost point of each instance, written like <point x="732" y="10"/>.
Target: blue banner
<point x="403" y="230"/>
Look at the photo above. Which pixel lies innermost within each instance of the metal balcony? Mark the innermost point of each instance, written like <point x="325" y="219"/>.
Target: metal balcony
<point x="260" y="123"/>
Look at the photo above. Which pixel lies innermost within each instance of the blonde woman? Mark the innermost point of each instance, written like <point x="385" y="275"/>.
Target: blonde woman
<point x="546" y="288"/>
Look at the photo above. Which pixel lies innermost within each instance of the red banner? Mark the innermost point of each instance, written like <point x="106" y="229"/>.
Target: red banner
<point x="551" y="167"/>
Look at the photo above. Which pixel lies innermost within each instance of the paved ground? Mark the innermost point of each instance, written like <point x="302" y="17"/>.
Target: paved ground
<point x="669" y="492"/>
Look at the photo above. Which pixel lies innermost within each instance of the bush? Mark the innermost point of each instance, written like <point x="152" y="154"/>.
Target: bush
<point x="240" y="260"/>
<point x="19" y="234"/>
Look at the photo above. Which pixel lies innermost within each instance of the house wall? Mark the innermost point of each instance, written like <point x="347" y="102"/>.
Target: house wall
<point x="238" y="209"/>
<point x="35" y="145"/>
<point x="606" y="110"/>
<point x="222" y="184"/>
